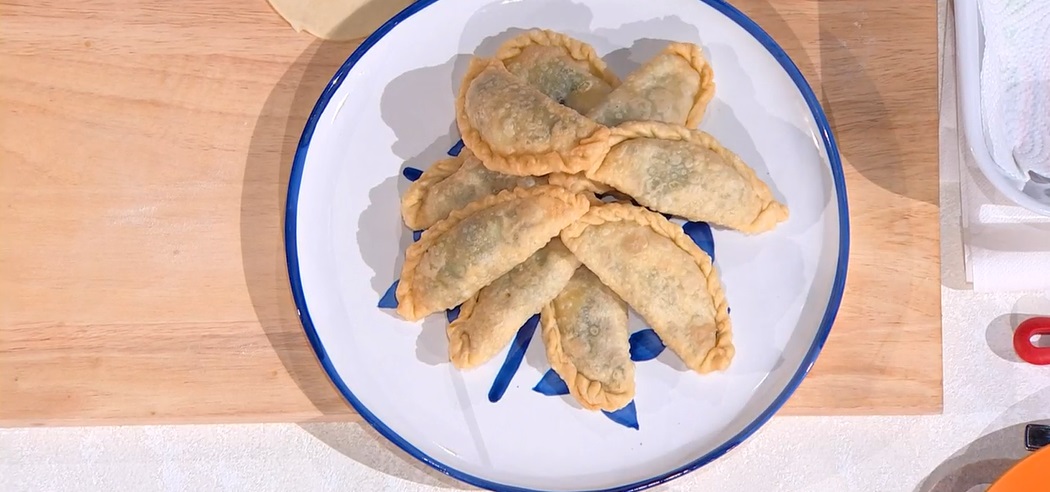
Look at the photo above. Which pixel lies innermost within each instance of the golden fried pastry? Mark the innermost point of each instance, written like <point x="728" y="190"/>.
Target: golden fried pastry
<point x="683" y="172"/>
<point x="588" y="343"/>
<point x="516" y="129"/>
<point x="564" y="68"/>
<point x="476" y="245"/>
<point x="451" y="184"/>
<point x="489" y="319"/>
<point x="674" y="86"/>
<point x="650" y="263"/>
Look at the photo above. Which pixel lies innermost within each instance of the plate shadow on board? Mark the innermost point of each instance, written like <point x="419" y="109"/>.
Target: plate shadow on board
<point x="846" y="49"/>
<point x="986" y="459"/>
<point x="843" y="80"/>
<point x="265" y="187"/>
<point x="839" y="79"/>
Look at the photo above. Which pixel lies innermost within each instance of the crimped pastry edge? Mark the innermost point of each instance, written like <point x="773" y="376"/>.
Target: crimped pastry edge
<point x="580" y="386"/>
<point x="458" y="348"/>
<point x="578" y="183"/>
<point x="719" y="357"/>
<point x="772" y="212"/>
<point x="588" y="152"/>
<point x="406" y="307"/>
<point x="695" y="57"/>
<point x="576" y="49"/>
<point x="412" y="200"/>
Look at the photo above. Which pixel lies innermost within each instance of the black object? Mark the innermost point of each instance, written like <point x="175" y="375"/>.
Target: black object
<point x="1036" y="436"/>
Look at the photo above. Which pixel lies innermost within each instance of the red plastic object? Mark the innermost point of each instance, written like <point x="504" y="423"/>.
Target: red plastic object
<point x="1023" y="341"/>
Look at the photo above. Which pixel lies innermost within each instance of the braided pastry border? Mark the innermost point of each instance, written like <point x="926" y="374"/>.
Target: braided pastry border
<point x="695" y="57"/>
<point x="576" y="49"/>
<point x="590" y="394"/>
<point x="417" y="192"/>
<point x="721" y="354"/>
<point x="587" y="153"/>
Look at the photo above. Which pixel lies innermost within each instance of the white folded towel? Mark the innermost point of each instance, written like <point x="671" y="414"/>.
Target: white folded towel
<point x="1015" y="85"/>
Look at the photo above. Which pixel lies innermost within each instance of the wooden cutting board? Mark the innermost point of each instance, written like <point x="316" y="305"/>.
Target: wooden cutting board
<point x="145" y="150"/>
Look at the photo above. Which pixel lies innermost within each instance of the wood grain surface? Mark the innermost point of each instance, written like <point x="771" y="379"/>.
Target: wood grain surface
<point x="145" y="149"/>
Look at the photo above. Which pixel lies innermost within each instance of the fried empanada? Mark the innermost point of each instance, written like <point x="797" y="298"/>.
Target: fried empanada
<point x="588" y="343"/>
<point x="516" y="129"/>
<point x="565" y="69"/>
<point x="674" y="86"/>
<point x="683" y="172"/>
<point x="665" y="79"/>
<point x="451" y="184"/>
<point x="650" y="263"/>
<point x="477" y="244"/>
<point x="488" y="320"/>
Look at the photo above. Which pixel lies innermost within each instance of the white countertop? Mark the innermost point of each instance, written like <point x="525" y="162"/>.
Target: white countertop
<point x="988" y="397"/>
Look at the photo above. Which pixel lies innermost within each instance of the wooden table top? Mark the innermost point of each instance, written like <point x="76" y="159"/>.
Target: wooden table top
<point x="145" y="149"/>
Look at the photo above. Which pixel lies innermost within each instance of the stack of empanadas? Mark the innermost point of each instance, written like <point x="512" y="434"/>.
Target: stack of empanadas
<point x="516" y="224"/>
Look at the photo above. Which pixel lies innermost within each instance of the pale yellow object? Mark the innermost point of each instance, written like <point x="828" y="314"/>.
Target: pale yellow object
<point x="515" y="129"/>
<point x="588" y="343"/>
<point x="650" y="263"/>
<point x="675" y="86"/>
<point x="564" y="68"/>
<point x="337" y="20"/>
<point x="488" y="320"/>
<point x="476" y="245"/>
<point x="451" y="184"/>
<point x="687" y="173"/>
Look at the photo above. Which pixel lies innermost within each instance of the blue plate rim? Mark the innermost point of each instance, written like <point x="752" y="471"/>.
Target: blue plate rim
<point x="838" y="286"/>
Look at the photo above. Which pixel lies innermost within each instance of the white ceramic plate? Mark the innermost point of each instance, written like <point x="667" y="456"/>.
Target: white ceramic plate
<point x="391" y="106"/>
